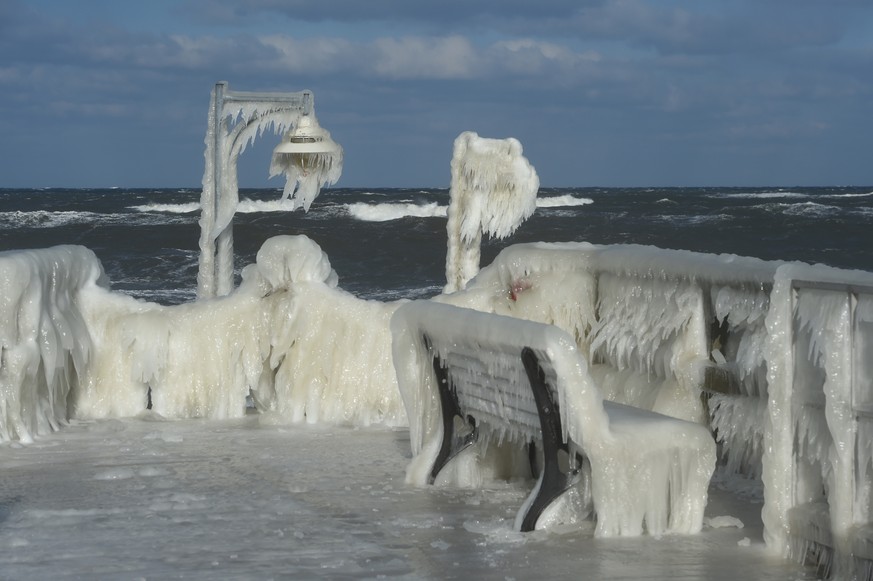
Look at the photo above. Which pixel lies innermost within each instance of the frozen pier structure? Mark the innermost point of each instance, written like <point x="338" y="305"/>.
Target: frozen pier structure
<point x="774" y="357"/>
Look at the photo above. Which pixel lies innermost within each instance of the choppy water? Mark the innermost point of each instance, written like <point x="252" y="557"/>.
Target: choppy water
<point x="391" y="243"/>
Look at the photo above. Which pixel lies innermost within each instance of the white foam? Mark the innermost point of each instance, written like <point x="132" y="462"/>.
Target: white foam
<point x="562" y="201"/>
<point x="168" y="208"/>
<point x="386" y="212"/>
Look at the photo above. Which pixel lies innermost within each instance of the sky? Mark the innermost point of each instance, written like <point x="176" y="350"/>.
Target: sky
<point x="115" y="93"/>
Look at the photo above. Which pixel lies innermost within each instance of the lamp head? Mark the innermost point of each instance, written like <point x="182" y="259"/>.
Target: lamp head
<point x="307" y="137"/>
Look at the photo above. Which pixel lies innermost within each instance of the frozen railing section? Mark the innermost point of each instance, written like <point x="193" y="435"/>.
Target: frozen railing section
<point x="44" y="341"/>
<point x="780" y="351"/>
<point x="479" y="385"/>
<point x="819" y="462"/>
<point x="662" y="328"/>
<point x="303" y="349"/>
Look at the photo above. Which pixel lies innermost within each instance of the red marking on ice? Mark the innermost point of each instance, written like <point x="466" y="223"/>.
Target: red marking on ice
<point x="517" y="287"/>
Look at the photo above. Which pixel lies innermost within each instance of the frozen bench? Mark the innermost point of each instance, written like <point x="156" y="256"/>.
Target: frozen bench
<point x="468" y="378"/>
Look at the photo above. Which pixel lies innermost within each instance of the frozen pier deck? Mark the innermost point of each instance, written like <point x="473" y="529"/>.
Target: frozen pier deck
<point x="243" y="499"/>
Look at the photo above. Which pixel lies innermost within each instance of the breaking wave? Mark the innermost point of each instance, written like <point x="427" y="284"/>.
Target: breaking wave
<point x="395" y="211"/>
<point x="386" y="212"/>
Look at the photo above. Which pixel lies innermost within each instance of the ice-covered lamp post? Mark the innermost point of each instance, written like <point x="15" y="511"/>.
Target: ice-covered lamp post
<point x="494" y="190"/>
<point x="307" y="156"/>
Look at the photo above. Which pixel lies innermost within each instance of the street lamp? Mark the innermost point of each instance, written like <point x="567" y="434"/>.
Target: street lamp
<point x="307" y="156"/>
<point x="304" y="154"/>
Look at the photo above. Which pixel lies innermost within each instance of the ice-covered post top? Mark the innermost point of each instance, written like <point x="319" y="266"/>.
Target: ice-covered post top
<point x="236" y="119"/>
<point x="493" y="191"/>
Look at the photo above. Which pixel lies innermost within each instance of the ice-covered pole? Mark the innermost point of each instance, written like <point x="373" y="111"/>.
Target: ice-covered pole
<point x="236" y="119"/>
<point x="493" y="191"/>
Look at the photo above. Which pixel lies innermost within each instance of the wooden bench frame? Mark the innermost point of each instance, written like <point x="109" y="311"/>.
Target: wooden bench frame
<point x="425" y="334"/>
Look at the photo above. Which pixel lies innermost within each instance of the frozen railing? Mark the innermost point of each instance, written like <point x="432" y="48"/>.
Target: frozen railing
<point x="302" y="348"/>
<point x="44" y="343"/>
<point x="819" y="470"/>
<point x="677" y="332"/>
<point x="780" y="351"/>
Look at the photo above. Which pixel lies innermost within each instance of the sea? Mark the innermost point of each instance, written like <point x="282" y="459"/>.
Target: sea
<point x="388" y="243"/>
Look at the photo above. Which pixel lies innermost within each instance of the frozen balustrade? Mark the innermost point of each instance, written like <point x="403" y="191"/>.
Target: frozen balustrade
<point x="818" y="473"/>
<point x="44" y="341"/>
<point x="305" y="350"/>
<point x="676" y="332"/>
<point x="511" y="383"/>
<point x="779" y="351"/>
<point x="302" y="348"/>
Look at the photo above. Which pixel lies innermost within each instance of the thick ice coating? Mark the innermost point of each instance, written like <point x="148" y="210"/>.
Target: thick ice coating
<point x="493" y="190"/>
<point x="72" y="348"/>
<point x="44" y="340"/>
<point x="647" y="470"/>
<point x="779" y="352"/>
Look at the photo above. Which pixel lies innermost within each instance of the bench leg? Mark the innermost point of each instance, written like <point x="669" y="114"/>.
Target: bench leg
<point x="454" y="440"/>
<point x="553" y="481"/>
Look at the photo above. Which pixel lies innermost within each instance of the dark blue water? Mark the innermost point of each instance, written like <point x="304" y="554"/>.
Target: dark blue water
<point x="147" y="239"/>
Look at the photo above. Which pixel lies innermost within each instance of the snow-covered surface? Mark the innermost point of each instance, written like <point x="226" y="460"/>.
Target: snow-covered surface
<point x="243" y="499"/>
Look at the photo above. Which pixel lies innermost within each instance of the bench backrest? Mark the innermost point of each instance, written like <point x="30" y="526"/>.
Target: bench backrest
<point x="482" y="353"/>
<point x="492" y="385"/>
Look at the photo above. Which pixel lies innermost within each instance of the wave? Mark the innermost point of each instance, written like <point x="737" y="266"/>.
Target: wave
<point x="758" y="195"/>
<point x="50" y="219"/>
<point x="168" y="208"/>
<point x="245" y="206"/>
<point x="54" y="219"/>
<point x="386" y="212"/>
<point x="395" y="211"/>
<point x="694" y="219"/>
<point x="562" y="201"/>
<point x="867" y="195"/>
<point x="802" y="209"/>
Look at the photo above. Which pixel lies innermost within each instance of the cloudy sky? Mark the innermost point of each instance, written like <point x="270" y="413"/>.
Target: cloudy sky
<point x="100" y="93"/>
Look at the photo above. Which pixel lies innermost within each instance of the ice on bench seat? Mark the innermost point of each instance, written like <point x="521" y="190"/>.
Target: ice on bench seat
<point x="648" y="471"/>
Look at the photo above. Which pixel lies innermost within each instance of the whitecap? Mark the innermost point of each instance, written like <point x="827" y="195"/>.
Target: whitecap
<point x="386" y="212"/>
<point x="248" y="206"/>
<point x="168" y="208"/>
<point x="867" y="195"/>
<point x="565" y="200"/>
<point x="758" y="195"/>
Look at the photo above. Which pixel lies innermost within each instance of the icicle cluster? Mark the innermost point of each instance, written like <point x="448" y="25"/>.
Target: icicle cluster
<point x="304" y="180"/>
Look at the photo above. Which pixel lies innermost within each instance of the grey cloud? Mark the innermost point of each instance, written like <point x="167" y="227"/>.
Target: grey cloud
<point x="426" y="13"/>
